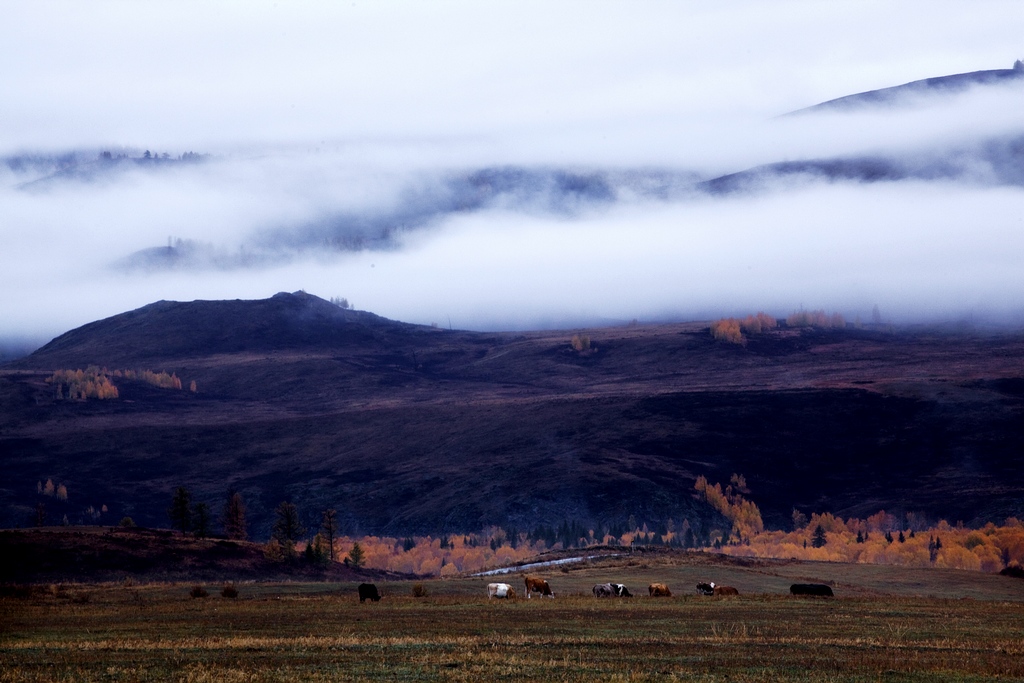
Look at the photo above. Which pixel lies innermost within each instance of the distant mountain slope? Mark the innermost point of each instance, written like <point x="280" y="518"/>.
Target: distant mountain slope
<point x="938" y="85"/>
<point x="998" y="161"/>
<point x="407" y="429"/>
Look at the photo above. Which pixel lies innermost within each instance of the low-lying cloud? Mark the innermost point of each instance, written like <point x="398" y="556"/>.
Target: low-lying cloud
<point x="600" y="169"/>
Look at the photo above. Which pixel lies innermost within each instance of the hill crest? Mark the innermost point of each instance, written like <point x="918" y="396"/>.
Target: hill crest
<point x="168" y="330"/>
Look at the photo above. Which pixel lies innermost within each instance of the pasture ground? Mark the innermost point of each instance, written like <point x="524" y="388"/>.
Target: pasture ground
<point x="320" y="632"/>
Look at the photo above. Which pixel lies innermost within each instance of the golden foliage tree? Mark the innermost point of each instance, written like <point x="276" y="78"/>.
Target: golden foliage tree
<point x="81" y="385"/>
<point x="727" y="330"/>
<point x="580" y="343"/>
<point x="987" y="549"/>
<point x="744" y="514"/>
<point x="732" y="330"/>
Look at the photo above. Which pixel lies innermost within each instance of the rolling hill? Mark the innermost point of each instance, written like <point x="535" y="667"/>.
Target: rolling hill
<point x="407" y="429"/>
<point x="938" y="85"/>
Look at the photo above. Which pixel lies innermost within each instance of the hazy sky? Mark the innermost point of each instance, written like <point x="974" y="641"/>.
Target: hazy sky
<point x="508" y="165"/>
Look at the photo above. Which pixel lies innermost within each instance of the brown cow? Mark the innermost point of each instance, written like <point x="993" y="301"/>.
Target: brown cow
<point x="539" y="585"/>
<point x="659" y="590"/>
<point x="725" y="590"/>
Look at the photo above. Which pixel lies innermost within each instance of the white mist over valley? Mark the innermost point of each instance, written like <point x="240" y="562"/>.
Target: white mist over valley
<point x="511" y="165"/>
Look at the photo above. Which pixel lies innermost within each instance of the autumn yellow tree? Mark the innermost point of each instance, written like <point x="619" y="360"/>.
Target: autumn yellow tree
<point x="727" y="330"/>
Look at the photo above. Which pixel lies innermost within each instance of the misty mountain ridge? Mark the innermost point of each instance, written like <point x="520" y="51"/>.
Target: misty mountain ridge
<point x="48" y="171"/>
<point x="908" y="93"/>
<point x="562" y="192"/>
<point x="566" y="193"/>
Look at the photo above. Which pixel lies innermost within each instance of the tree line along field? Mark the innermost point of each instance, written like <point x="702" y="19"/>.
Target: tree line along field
<point x="887" y="623"/>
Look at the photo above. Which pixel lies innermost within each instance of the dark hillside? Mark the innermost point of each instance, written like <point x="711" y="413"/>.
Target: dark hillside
<point x="175" y="330"/>
<point x="408" y="429"/>
<point x="96" y="554"/>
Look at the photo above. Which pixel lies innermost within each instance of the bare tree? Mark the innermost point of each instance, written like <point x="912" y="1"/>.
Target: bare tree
<point x="329" y="529"/>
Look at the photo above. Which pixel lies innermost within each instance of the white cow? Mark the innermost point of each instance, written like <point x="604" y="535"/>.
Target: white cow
<point x="500" y="590"/>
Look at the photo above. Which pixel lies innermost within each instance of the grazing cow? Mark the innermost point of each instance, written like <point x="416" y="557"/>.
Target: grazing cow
<point x="368" y="590"/>
<point x="500" y="590"/>
<point x="533" y="584"/>
<point x="621" y="591"/>
<point x="725" y="590"/>
<point x="659" y="590"/>
<point x="817" y="589"/>
<point x="704" y="588"/>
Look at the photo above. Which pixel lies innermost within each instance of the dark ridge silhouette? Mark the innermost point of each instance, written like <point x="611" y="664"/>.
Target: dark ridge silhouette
<point x="943" y="85"/>
<point x="172" y="330"/>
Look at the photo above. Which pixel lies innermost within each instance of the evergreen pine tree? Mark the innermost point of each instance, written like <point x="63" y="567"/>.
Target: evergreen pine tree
<point x="180" y="511"/>
<point x="355" y="556"/>
<point x="235" y="526"/>
<point x="287" y="527"/>
<point x="819" y="539"/>
<point x="201" y="520"/>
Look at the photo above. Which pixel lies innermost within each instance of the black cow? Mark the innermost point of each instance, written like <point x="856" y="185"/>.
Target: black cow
<point x="816" y="589"/>
<point x="368" y="590"/>
<point x="704" y="588"/>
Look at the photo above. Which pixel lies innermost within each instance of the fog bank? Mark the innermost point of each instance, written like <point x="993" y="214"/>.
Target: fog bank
<point x="510" y="165"/>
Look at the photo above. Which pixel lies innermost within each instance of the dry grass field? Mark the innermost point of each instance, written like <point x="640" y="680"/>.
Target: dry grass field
<point x="932" y="625"/>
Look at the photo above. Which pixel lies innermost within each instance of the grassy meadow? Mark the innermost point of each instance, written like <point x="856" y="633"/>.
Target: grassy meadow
<point x="943" y="625"/>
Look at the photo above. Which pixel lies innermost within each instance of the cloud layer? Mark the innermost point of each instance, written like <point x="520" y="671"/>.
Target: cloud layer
<point x="509" y="165"/>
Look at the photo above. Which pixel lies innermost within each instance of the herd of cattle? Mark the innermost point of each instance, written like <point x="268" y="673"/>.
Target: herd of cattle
<point x="368" y="591"/>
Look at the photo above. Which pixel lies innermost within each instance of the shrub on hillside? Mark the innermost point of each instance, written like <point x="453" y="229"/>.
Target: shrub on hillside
<point x="198" y="592"/>
<point x="580" y="343"/>
<point x="756" y="324"/>
<point x="817" y="318"/>
<point x="419" y="590"/>
<point x="229" y="591"/>
<point x="273" y="551"/>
